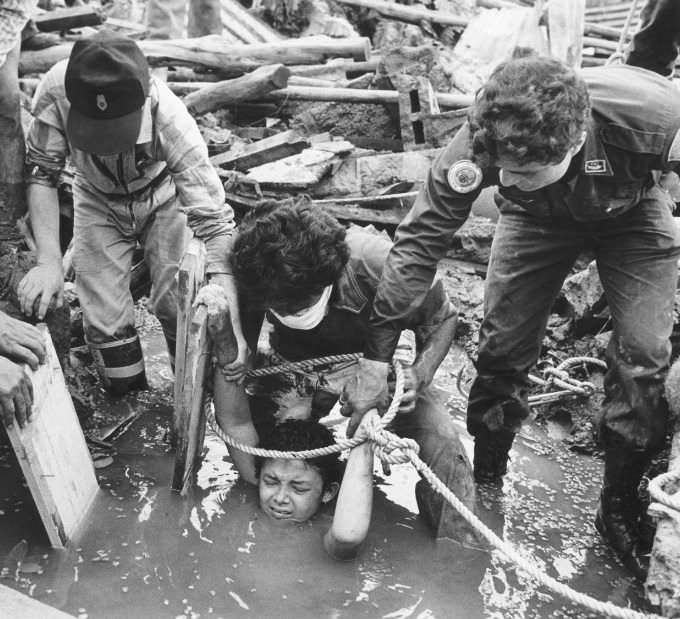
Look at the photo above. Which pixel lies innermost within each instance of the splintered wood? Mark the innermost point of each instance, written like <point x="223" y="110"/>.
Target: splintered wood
<point x="53" y="455"/>
<point x="191" y="364"/>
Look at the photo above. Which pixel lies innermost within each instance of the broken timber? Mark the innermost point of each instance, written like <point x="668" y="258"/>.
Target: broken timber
<point x="190" y="368"/>
<point x="66" y="19"/>
<point x="269" y="149"/>
<point x="214" y="52"/>
<point x="242" y="23"/>
<point x="53" y="455"/>
<point x="251" y="86"/>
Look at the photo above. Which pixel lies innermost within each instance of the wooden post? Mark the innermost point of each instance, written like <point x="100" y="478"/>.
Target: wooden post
<point x="190" y="366"/>
<point x="53" y="455"/>
<point x="417" y="102"/>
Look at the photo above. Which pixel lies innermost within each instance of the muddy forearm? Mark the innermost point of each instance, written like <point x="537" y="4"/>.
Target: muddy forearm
<point x="43" y="207"/>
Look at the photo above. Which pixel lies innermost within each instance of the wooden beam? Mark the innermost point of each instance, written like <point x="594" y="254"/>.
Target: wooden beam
<point x="409" y="13"/>
<point x="358" y="95"/>
<point x="66" y="19"/>
<point x="189" y="362"/>
<point x="21" y="606"/>
<point x="53" y="455"/>
<point x="228" y="92"/>
<point x="266" y="150"/>
<point x="214" y="52"/>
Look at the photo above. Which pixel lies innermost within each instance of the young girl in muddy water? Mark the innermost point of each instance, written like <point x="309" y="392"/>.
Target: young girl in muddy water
<point x="293" y="491"/>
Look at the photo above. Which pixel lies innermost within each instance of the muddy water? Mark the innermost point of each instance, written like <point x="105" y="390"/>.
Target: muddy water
<point x="149" y="553"/>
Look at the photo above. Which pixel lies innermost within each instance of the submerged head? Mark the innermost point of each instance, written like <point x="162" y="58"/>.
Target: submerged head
<point x="287" y="255"/>
<point x="294" y="490"/>
<point x="529" y="120"/>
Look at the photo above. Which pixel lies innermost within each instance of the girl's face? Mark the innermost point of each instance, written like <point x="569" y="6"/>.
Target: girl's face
<point x="290" y="490"/>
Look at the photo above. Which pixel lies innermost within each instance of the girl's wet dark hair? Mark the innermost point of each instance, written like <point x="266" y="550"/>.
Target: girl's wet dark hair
<point x="287" y="252"/>
<point x="302" y="435"/>
<point x="532" y="109"/>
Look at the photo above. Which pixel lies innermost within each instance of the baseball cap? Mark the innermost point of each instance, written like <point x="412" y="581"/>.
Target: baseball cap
<point x="107" y="82"/>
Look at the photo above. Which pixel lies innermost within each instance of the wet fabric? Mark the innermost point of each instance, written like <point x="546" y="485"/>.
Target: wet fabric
<point x="636" y="255"/>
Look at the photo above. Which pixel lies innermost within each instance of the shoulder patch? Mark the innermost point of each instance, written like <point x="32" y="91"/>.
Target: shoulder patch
<point x="674" y="150"/>
<point x="464" y="176"/>
<point x="595" y="166"/>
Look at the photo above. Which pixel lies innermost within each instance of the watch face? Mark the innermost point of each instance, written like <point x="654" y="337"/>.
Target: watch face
<point x="464" y="176"/>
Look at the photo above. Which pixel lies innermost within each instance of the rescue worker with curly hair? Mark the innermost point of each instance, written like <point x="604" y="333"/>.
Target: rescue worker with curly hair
<point x="575" y="158"/>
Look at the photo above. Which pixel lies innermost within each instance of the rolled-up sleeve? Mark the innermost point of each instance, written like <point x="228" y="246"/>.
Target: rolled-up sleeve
<point x="46" y="144"/>
<point x="421" y="240"/>
<point x="199" y="188"/>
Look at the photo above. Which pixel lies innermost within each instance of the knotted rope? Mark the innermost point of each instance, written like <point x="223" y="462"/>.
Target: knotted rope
<point x="396" y="450"/>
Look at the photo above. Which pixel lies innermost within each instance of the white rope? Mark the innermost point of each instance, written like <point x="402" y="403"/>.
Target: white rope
<point x="396" y="450"/>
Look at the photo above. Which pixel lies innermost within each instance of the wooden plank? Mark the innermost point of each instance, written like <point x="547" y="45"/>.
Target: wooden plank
<point x="66" y="19"/>
<point x="190" y="278"/>
<point x="189" y="364"/>
<point x="190" y="403"/>
<point x="53" y="455"/>
<point x="19" y="606"/>
<point x="270" y="149"/>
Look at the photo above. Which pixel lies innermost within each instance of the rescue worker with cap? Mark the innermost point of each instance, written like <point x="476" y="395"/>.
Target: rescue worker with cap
<point x="142" y="173"/>
<point x="575" y="158"/>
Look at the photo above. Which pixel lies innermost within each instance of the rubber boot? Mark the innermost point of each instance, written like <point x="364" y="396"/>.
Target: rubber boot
<point x="491" y="455"/>
<point x="618" y="517"/>
<point x="120" y="364"/>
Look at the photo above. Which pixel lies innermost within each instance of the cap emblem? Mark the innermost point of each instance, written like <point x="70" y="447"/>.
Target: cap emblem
<point x="102" y="103"/>
<point x="464" y="176"/>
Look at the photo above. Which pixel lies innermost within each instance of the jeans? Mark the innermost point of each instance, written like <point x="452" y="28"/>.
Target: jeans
<point x="636" y="255"/>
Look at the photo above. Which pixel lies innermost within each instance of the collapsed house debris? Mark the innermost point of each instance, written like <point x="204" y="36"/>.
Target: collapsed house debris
<point x="352" y="111"/>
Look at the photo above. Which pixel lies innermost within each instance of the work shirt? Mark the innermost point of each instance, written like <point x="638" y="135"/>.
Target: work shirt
<point x="632" y="133"/>
<point x="345" y="326"/>
<point x="169" y="142"/>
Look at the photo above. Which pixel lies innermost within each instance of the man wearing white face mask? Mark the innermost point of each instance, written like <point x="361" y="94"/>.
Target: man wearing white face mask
<point x="315" y="281"/>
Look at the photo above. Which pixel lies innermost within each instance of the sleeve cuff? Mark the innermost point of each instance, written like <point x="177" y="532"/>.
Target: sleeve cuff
<point x="381" y="343"/>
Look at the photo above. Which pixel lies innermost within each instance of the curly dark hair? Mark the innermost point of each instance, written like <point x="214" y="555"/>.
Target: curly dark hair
<point x="300" y="435"/>
<point x="532" y="109"/>
<point x="287" y="251"/>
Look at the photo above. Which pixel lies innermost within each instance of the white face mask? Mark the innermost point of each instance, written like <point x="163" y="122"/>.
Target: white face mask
<point x="310" y="317"/>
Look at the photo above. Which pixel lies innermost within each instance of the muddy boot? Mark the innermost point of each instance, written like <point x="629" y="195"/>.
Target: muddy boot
<point x="618" y="515"/>
<point x="491" y="455"/>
